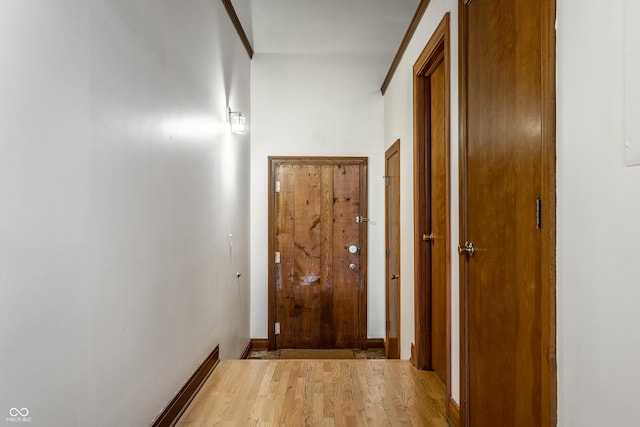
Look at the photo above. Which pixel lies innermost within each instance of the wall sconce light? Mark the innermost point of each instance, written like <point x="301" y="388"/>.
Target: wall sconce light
<point x="237" y="121"/>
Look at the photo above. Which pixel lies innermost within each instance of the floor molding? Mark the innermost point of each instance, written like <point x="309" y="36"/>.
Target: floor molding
<point x="375" y="342"/>
<point x="181" y="400"/>
<point x="263" y="344"/>
<point x="247" y="351"/>
<point x="260" y="344"/>
<point x="454" y="413"/>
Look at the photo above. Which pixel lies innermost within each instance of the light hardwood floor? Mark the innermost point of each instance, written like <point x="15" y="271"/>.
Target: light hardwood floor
<point x="318" y="393"/>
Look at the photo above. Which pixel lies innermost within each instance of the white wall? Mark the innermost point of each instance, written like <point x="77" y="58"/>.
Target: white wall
<point x="120" y="185"/>
<point x="316" y="105"/>
<point x="598" y="223"/>
<point x="398" y="124"/>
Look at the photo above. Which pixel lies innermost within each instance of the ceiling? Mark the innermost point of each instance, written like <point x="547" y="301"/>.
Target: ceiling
<point x="327" y="27"/>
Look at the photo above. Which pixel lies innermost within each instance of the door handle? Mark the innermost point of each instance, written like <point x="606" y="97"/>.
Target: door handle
<point x="394" y="276"/>
<point x="354" y="267"/>
<point x="428" y="237"/>
<point x="467" y="250"/>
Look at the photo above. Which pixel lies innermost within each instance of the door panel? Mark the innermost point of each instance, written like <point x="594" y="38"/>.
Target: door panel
<point x="317" y="298"/>
<point x="346" y="206"/>
<point x="503" y="286"/>
<point x="305" y="309"/>
<point x="392" y="227"/>
<point x="438" y="182"/>
<point x="432" y="201"/>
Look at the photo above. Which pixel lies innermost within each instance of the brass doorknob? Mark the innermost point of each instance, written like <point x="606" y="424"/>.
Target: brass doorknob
<point x="467" y="249"/>
<point x="427" y="237"/>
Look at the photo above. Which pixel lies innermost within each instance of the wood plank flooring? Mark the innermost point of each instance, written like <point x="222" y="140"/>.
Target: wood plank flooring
<point x="318" y="393"/>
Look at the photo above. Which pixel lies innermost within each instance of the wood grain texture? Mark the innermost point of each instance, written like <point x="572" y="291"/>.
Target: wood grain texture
<point x="439" y="211"/>
<point x="507" y="161"/>
<point x="548" y="214"/>
<point x="392" y="239"/>
<point x="318" y="301"/>
<point x="318" y="393"/>
<point x="346" y="232"/>
<point x="432" y="204"/>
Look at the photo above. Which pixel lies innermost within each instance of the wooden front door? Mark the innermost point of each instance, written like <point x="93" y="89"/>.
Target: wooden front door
<point x="392" y="238"/>
<point x="317" y="252"/>
<point x="432" y="195"/>
<point x="507" y="220"/>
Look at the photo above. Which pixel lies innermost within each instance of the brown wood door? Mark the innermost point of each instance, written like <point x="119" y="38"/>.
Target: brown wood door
<point x="432" y="199"/>
<point x="439" y="184"/>
<point x="392" y="232"/>
<point x="318" y="251"/>
<point x="506" y="201"/>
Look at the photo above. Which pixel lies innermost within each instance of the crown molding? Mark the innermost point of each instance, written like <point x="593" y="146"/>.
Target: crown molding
<point x="420" y="10"/>
<point x="238" y="26"/>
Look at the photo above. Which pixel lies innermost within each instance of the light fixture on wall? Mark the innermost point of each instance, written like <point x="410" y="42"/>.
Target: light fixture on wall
<point x="237" y="121"/>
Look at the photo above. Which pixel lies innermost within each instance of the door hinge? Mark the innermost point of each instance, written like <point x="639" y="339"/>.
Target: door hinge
<point x="538" y="213"/>
<point x="388" y="253"/>
<point x="277" y="186"/>
<point x="277" y="260"/>
<point x="388" y="325"/>
<point x="277" y="328"/>
<point x="386" y="180"/>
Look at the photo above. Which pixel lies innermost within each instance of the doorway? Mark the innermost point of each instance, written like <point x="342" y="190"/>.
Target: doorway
<point x="317" y="252"/>
<point x="507" y="222"/>
<point x="392" y="239"/>
<point x="432" y="240"/>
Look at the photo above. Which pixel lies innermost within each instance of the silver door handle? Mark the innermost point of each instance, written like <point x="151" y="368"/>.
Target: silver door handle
<point x="467" y="249"/>
<point x="394" y="276"/>
<point x="354" y="267"/>
<point x="360" y="219"/>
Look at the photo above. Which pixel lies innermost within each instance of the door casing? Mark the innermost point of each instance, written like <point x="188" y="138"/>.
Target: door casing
<point x="434" y="55"/>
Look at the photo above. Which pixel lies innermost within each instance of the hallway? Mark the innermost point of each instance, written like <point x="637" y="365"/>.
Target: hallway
<point x="318" y="392"/>
<point x="134" y="238"/>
